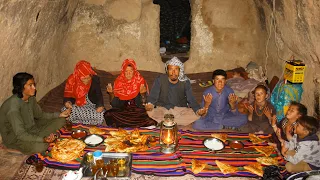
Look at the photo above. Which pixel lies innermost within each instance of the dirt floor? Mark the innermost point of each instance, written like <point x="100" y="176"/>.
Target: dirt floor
<point x="9" y="164"/>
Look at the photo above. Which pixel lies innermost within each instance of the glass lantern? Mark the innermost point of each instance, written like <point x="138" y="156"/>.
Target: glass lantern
<point x="168" y="135"/>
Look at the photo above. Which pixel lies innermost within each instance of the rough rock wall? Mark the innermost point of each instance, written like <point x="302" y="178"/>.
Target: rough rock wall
<point x="225" y="34"/>
<point x="295" y="32"/>
<point x="106" y="32"/>
<point x="31" y="35"/>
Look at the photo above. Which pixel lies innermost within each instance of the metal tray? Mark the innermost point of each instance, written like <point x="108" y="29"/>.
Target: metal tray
<point x="107" y="156"/>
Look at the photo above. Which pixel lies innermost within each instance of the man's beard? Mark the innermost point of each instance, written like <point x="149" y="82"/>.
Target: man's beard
<point x="174" y="79"/>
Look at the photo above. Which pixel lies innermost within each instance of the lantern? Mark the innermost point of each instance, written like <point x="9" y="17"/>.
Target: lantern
<point x="168" y="135"/>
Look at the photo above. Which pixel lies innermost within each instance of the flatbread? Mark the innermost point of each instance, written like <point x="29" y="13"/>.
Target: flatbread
<point x="266" y="150"/>
<point x="222" y="136"/>
<point x="197" y="166"/>
<point x="255" y="139"/>
<point x="96" y="130"/>
<point x="226" y="168"/>
<point x="255" y="168"/>
<point x="67" y="150"/>
<point x="268" y="161"/>
<point x="135" y="133"/>
<point x="122" y="141"/>
<point x="120" y="133"/>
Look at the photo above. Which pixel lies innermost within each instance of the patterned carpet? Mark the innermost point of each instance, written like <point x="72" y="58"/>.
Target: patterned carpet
<point x="28" y="172"/>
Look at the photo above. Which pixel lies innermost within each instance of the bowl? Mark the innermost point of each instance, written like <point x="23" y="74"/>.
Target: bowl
<point x="236" y="145"/>
<point x="79" y="134"/>
<point x="93" y="140"/>
<point x="213" y="144"/>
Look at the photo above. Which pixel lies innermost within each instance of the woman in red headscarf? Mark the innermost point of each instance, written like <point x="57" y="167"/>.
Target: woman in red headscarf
<point x="128" y="98"/>
<point x="83" y="95"/>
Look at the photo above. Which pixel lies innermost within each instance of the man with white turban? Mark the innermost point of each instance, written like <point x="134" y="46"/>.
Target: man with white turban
<point x="172" y="93"/>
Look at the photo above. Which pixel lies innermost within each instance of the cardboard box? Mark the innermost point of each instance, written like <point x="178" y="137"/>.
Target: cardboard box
<point x="294" y="71"/>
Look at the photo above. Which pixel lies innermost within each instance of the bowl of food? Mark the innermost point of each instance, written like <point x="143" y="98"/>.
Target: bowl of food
<point x="93" y="140"/>
<point x="79" y="134"/>
<point x="236" y="145"/>
<point x="213" y="144"/>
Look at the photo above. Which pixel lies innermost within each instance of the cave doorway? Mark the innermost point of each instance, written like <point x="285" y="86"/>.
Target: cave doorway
<point x="175" y="29"/>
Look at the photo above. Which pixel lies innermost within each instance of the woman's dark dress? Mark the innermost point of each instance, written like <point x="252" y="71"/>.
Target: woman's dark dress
<point x="129" y="113"/>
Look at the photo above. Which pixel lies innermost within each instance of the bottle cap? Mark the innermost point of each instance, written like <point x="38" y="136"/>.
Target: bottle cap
<point x="97" y="153"/>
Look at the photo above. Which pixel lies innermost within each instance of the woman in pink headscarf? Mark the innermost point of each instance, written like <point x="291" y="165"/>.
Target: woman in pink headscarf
<point x="128" y="98"/>
<point x="83" y="95"/>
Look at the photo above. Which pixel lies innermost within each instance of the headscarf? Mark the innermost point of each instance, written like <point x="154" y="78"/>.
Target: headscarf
<point x="126" y="89"/>
<point x="75" y="88"/>
<point x="176" y="62"/>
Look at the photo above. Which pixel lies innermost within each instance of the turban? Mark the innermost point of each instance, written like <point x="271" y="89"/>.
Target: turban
<point x="176" y="62"/>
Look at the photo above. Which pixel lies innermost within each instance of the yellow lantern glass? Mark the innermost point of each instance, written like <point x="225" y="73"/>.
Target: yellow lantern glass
<point x="168" y="135"/>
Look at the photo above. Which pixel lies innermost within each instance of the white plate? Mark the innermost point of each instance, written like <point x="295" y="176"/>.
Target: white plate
<point x="93" y="140"/>
<point x="213" y="144"/>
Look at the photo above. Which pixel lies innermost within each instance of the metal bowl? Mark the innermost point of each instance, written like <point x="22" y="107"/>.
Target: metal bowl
<point x="93" y="140"/>
<point x="236" y="145"/>
<point x="79" y="134"/>
<point x="213" y="144"/>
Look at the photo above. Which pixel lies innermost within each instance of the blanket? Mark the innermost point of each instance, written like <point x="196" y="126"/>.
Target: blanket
<point x="152" y="162"/>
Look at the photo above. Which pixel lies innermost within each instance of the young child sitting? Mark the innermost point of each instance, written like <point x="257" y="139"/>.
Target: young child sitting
<point x="261" y="113"/>
<point x="284" y="129"/>
<point x="303" y="150"/>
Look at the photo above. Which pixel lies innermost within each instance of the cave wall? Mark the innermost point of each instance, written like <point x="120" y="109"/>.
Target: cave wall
<point x="225" y="34"/>
<point x="107" y="32"/>
<point x="31" y="35"/>
<point x="294" y="33"/>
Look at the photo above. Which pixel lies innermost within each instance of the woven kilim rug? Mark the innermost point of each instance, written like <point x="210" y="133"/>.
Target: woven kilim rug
<point x="152" y="162"/>
<point x="28" y="172"/>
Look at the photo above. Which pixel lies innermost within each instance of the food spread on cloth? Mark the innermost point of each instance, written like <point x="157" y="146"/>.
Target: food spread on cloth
<point x="266" y="150"/>
<point x="66" y="150"/>
<point x="268" y="161"/>
<point x="93" y="140"/>
<point x="222" y="136"/>
<point x="122" y="141"/>
<point x="255" y="139"/>
<point x="79" y="134"/>
<point x="255" y="168"/>
<point x="236" y="145"/>
<point x="213" y="144"/>
<point x="96" y="130"/>
<point x="226" y="168"/>
<point x="197" y="166"/>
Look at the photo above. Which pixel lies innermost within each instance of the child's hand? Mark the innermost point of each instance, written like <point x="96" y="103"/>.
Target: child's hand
<point x="278" y="133"/>
<point x="288" y="129"/>
<point x="284" y="149"/>
<point x="268" y="112"/>
<point x="207" y="99"/>
<point x="249" y="108"/>
<point x="273" y="121"/>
